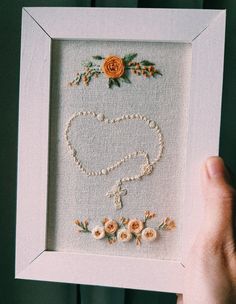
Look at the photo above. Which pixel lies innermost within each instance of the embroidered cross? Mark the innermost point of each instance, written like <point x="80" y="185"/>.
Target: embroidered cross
<point x="117" y="193"/>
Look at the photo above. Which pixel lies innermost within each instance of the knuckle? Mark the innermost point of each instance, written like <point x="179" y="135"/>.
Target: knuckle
<point x="213" y="246"/>
<point x="229" y="248"/>
<point x="228" y="194"/>
<point x="225" y="193"/>
<point x="210" y="246"/>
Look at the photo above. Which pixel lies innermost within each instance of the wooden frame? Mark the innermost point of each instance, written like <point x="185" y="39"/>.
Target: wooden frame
<point x="204" y="29"/>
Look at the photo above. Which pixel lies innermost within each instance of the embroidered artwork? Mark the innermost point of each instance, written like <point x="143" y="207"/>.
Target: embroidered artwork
<point x="118" y="192"/>
<point x="116" y="69"/>
<point x="125" y="229"/>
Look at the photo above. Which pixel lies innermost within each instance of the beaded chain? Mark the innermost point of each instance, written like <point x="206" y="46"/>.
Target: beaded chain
<point x="117" y="191"/>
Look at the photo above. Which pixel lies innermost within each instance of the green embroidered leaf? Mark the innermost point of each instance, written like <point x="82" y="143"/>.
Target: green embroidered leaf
<point x="157" y="73"/>
<point x="129" y="57"/>
<point x="110" y="83"/>
<point x="131" y="64"/>
<point x="78" y="80"/>
<point x="147" y="63"/>
<point x="88" y="64"/>
<point x="125" y="79"/>
<point x="98" y="57"/>
<point x="116" y="82"/>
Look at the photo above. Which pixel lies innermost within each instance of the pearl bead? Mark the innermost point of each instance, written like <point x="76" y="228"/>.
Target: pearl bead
<point x="100" y="116"/>
<point x="104" y="171"/>
<point x="152" y="124"/>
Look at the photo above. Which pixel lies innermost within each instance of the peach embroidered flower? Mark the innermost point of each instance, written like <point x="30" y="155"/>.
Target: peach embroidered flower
<point x="98" y="233"/>
<point x="124" y="220"/>
<point x="113" y="66"/>
<point x="168" y="224"/>
<point x="149" y="234"/>
<point x="111" y="226"/>
<point x="149" y="214"/>
<point x="135" y="226"/>
<point x="124" y="235"/>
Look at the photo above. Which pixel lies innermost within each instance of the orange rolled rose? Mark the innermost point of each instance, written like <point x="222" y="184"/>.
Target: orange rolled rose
<point x="113" y="66"/>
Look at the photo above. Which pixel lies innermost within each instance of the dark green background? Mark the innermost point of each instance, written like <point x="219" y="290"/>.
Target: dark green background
<point x="25" y="292"/>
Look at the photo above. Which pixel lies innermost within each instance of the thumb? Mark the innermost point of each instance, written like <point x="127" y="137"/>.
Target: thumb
<point x="219" y="199"/>
<point x="179" y="299"/>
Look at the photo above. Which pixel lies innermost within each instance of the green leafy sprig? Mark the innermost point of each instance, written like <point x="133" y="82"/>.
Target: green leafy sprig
<point x="92" y="70"/>
<point x="83" y="226"/>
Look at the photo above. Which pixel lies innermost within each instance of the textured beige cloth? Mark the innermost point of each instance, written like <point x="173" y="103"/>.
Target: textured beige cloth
<point x="72" y="195"/>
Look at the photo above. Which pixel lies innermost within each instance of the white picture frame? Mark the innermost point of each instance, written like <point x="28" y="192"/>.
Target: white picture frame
<point x="204" y="30"/>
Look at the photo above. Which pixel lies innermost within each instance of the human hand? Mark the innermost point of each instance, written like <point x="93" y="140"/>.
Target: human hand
<point x="211" y="267"/>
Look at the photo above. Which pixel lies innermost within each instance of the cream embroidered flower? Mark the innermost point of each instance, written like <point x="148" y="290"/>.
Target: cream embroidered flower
<point x="111" y="226"/>
<point x="149" y="234"/>
<point x="124" y="235"/>
<point x="98" y="232"/>
<point x="135" y="226"/>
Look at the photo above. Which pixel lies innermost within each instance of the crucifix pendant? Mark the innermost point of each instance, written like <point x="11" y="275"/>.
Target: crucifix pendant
<point x="117" y="193"/>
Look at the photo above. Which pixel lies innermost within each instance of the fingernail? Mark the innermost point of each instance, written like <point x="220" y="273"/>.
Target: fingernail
<point x="215" y="167"/>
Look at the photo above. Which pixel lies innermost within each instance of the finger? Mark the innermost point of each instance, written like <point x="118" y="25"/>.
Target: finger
<point x="219" y="198"/>
<point x="179" y="299"/>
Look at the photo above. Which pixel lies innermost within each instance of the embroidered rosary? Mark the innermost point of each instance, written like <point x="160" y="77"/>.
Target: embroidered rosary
<point x="117" y="192"/>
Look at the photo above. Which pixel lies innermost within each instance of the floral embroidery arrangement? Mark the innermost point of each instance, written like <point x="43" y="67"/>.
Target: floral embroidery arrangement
<point x="116" y="69"/>
<point x="125" y="230"/>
